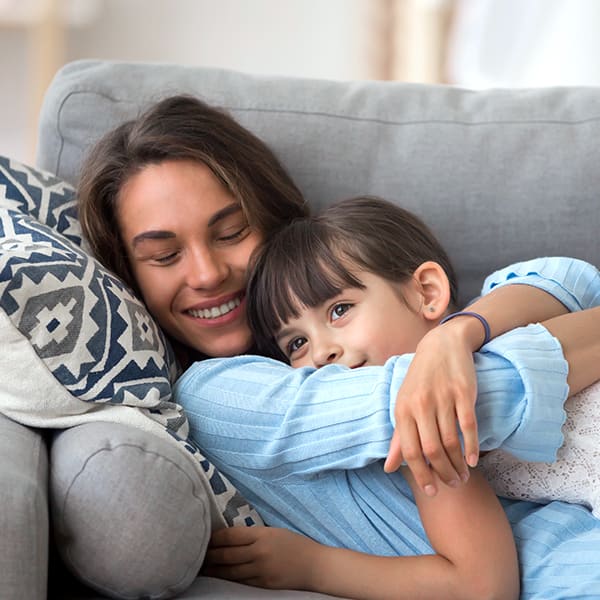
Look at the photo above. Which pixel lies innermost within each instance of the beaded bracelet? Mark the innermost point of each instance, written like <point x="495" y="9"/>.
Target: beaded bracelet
<point x="468" y="313"/>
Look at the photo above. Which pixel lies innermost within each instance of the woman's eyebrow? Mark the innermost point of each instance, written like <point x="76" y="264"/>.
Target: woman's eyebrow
<point x="224" y="212"/>
<point x="159" y="234"/>
<point x="151" y="235"/>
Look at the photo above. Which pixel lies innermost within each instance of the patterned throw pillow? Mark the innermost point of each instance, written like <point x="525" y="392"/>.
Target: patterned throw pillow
<point x="42" y="195"/>
<point x="93" y="334"/>
<point x="83" y="325"/>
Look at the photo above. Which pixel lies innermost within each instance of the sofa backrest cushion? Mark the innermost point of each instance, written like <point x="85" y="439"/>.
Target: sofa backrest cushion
<point x="499" y="175"/>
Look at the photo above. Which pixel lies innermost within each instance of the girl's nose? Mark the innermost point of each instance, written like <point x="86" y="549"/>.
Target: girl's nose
<point x="326" y="352"/>
<point x="206" y="270"/>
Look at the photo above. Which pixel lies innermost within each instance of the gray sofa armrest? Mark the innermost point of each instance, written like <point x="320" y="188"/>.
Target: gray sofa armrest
<point x="130" y="514"/>
<point x="23" y="513"/>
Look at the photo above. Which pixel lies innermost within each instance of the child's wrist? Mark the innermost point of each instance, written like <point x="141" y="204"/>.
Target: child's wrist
<point x="322" y="569"/>
<point x="473" y="327"/>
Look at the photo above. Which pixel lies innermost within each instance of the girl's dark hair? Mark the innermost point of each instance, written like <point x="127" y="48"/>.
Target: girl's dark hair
<point x="181" y="128"/>
<point x="313" y="259"/>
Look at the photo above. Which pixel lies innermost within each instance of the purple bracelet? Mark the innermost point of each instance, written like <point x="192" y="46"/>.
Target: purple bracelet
<point x="468" y="313"/>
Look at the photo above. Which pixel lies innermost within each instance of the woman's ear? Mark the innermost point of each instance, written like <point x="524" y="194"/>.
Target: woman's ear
<point x="435" y="289"/>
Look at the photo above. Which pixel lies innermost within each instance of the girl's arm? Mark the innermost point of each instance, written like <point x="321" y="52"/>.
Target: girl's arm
<point x="256" y="417"/>
<point x="475" y="555"/>
<point x="440" y="386"/>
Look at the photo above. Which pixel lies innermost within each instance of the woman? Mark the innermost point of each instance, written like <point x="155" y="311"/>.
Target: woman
<point x="177" y="201"/>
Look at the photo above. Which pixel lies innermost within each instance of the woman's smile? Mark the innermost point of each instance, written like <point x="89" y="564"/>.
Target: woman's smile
<point x="219" y="312"/>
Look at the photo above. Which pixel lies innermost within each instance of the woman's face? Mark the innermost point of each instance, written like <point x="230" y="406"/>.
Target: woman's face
<point x="188" y="243"/>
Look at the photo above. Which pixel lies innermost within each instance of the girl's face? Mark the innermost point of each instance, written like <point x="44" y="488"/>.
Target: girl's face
<point x="188" y="243"/>
<point x="359" y="327"/>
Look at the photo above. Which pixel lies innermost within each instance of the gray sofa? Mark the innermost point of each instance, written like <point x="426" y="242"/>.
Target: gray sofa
<point x="499" y="175"/>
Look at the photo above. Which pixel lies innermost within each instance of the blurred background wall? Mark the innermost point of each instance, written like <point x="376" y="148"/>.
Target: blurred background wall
<point x="472" y="43"/>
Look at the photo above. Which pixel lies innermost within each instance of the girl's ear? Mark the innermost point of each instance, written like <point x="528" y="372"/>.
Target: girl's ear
<point x="435" y="289"/>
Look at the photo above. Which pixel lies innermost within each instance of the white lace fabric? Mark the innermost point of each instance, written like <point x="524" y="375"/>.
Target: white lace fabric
<point x="574" y="476"/>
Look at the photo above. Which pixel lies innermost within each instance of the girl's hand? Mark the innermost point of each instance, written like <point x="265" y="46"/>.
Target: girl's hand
<point x="437" y="397"/>
<point x="266" y="557"/>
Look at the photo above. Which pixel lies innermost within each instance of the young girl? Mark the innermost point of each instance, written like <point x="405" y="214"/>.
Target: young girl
<point x="367" y="280"/>
<point x="363" y="281"/>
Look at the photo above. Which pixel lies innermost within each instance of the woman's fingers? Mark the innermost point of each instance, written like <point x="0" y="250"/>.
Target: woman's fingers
<point x="415" y="458"/>
<point x="395" y="457"/>
<point x="427" y="438"/>
<point x="450" y="440"/>
<point x="437" y="453"/>
<point x="467" y="421"/>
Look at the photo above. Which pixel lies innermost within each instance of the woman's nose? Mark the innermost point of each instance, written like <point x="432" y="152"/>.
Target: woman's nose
<point x="206" y="270"/>
<point x="326" y="352"/>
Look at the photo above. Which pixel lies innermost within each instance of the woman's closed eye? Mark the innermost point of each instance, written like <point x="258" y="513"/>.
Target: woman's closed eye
<point x="166" y="259"/>
<point x="339" y="310"/>
<point x="233" y="234"/>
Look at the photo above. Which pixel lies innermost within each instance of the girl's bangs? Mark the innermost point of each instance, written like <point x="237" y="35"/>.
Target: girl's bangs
<point x="307" y="272"/>
<point x="309" y="285"/>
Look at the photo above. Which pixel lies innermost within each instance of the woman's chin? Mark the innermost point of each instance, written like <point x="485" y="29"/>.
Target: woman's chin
<point x="226" y="346"/>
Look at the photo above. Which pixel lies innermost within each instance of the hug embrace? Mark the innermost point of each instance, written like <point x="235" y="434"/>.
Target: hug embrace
<point x="343" y="310"/>
<point x="185" y="205"/>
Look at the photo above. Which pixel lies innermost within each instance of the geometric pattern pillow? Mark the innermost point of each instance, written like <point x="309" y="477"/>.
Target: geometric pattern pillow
<point x="84" y="324"/>
<point x="41" y="195"/>
<point x="91" y="332"/>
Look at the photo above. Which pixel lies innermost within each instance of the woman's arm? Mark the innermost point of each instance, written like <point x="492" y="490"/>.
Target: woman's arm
<point x="476" y="555"/>
<point x="440" y="387"/>
<point x="579" y="334"/>
<point x="437" y="398"/>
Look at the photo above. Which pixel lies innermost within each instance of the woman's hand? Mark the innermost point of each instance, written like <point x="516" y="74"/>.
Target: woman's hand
<point x="440" y="388"/>
<point x="438" y="397"/>
<point x="266" y="557"/>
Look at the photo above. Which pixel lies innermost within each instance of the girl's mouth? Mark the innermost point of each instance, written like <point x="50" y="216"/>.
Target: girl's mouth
<point x="357" y="366"/>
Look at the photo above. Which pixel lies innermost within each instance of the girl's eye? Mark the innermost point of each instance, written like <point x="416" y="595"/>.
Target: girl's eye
<point x="295" y="345"/>
<point x="339" y="310"/>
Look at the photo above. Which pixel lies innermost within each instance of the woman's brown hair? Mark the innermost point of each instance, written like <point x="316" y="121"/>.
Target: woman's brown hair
<point x="313" y="259"/>
<point x="181" y="128"/>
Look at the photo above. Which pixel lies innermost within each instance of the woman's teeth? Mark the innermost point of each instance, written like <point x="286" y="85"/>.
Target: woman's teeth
<point x="215" y="311"/>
